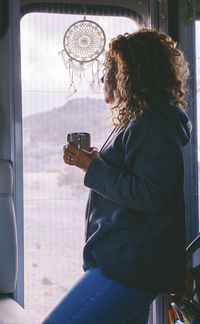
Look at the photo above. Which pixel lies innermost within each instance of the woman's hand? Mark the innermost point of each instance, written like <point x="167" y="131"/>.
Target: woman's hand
<point x="79" y="157"/>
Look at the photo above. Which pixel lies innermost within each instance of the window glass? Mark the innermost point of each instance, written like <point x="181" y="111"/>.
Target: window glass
<point x="54" y="194"/>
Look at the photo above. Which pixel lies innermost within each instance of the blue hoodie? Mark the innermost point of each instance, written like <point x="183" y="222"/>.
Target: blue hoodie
<point x="135" y="218"/>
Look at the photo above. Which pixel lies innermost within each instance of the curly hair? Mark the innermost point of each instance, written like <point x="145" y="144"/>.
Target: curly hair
<point x="149" y="70"/>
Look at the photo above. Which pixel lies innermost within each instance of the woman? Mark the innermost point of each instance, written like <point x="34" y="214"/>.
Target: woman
<point x="135" y="237"/>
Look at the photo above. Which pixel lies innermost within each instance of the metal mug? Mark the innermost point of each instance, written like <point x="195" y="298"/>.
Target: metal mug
<point x="79" y="139"/>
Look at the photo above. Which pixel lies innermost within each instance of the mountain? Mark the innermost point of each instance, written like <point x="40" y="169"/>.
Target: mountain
<point x="45" y="133"/>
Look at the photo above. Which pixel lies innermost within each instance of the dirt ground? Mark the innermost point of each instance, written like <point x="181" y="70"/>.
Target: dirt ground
<point x="54" y="237"/>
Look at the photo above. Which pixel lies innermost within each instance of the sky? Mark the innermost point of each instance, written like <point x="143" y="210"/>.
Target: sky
<point x="45" y="80"/>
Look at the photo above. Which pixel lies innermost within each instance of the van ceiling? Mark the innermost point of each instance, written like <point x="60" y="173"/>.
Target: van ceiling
<point x="140" y="6"/>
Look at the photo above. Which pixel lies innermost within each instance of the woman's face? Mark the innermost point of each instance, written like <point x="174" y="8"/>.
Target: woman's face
<point x="109" y="85"/>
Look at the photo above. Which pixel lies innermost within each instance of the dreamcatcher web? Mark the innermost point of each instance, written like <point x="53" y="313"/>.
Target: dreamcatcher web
<point x="84" y="46"/>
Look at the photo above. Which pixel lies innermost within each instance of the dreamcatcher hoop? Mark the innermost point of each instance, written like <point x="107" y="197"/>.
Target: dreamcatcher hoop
<point x="84" y="41"/>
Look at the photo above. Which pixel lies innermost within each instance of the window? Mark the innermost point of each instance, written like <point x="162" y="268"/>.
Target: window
<point x="54" y="194"/>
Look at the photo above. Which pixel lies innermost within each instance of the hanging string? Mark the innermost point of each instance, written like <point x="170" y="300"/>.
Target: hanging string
<point x="82" y="2"/>
<point x="71" y="75"/>
<point x="98" y="72"/>
<point x="92" y="75"/>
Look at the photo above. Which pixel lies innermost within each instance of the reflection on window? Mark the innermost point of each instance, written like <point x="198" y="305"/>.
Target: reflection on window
<point x="54" y="194"/>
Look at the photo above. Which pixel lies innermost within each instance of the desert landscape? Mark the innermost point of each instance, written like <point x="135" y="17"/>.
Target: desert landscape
<point x="55" y="200"/>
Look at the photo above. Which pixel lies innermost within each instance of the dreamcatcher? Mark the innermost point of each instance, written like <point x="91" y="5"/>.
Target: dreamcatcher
<point x="84" y="46"/>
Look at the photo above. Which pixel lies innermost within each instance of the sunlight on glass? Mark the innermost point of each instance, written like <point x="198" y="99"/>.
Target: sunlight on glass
<point x="54" y="194"/>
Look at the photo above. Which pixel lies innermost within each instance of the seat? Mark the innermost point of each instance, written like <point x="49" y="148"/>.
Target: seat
<point x="10" y="311"/>
<point x="8" y="232"/>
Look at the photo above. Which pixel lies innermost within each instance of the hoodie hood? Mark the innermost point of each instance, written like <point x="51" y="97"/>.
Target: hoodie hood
<point x="179" y="121"/>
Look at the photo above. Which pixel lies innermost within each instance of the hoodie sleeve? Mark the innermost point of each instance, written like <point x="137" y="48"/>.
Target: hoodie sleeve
<point x="149" y="179"/>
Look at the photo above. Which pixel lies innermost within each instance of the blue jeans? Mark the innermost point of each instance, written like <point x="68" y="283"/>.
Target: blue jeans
<point x="98" y="300"/>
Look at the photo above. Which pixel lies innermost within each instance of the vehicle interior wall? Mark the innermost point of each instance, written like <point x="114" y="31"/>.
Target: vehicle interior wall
<point x="10" y="102"/>
<point x="197" y="6"/>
